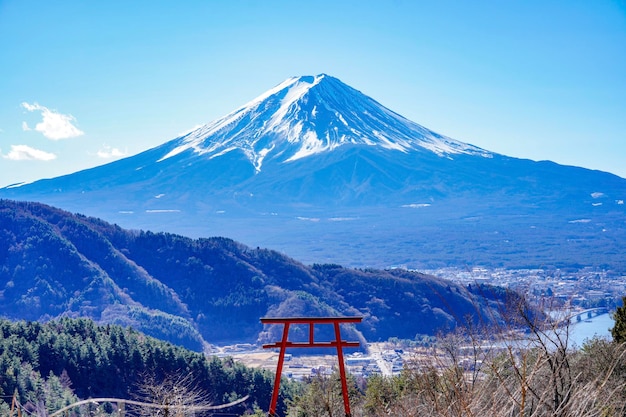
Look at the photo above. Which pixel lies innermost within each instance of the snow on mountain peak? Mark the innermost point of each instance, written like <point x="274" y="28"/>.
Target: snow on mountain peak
<point x="306" y="115"/>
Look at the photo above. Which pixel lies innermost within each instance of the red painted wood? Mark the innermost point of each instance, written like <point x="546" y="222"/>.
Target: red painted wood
<point x="284" y="344"/>
<point x="279" y="370"/>
<point x="312" y="345"/>
<point x="305" y="320"/>
<point x="342" y="372"/>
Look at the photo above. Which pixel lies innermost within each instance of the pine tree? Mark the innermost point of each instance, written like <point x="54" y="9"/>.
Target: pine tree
<point x="619" y="330"/>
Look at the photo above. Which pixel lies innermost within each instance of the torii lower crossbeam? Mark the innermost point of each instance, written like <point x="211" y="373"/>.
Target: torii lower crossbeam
<point x="285" y="343"/>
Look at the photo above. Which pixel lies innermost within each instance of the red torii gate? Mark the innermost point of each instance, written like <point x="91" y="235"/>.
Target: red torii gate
<point x="285" y="343"/>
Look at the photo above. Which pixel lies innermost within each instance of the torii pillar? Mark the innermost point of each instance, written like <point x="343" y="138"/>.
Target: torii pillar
<point x="285" y="343"/>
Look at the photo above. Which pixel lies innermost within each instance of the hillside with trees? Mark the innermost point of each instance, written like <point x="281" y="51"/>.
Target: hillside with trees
<point x="54" y="364"/>
<point x="193" y="291"/>
<point x="469" y="372"/>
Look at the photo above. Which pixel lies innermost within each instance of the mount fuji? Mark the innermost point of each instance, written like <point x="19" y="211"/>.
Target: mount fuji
<point x="326" y="174"/>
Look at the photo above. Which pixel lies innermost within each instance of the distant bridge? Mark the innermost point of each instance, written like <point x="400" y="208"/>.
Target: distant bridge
<point x="585" y="314"/>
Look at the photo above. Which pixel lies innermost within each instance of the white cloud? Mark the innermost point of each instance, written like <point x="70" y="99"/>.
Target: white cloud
<point x="31" y="107"/>
<point x="108" y="152"/>
<point x="54" y="125"/>
<point x="26" y="153"/>
<point x="25" y="127"/>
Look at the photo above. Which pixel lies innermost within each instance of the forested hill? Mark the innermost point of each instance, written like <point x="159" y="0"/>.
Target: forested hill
<point x="190" y="291"/>
<point x="58" y="362"/>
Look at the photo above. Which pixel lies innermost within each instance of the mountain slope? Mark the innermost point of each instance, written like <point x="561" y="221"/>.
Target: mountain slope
<point x="215" y="290"/>
<point x="312" y="163"/>
<point x="304" y="116"/>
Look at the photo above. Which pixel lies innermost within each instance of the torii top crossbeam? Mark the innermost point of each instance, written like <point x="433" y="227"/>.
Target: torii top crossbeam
<point x="284" y="343"/>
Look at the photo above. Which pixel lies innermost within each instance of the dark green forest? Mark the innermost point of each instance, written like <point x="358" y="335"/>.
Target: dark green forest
<point x="58" y="362"/>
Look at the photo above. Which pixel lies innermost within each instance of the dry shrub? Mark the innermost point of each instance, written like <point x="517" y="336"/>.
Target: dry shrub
<point x="477" y="371"/>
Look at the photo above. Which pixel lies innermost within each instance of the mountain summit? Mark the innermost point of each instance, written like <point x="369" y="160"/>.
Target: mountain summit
<point x="326" y="174"/>
<point x="308" y="115"/>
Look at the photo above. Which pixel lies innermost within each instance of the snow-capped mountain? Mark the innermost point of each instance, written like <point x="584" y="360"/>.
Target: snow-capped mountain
<point x="317" y="169"/>
<point x="304" y="116"/>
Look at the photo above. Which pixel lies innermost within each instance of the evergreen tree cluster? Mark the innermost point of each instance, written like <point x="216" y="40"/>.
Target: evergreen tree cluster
<point x="619" y="330"/>
<point x="56" y="363"/>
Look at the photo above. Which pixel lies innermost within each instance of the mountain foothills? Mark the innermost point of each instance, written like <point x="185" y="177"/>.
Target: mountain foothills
<point x="194" y="291"/>
<point x="318" y="170"/>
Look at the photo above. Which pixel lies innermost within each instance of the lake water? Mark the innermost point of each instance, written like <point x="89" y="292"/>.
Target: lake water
<point x="596" y="326"/>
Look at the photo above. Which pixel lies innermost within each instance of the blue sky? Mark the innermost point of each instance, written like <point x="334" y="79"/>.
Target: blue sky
<point x="85" y="83"/>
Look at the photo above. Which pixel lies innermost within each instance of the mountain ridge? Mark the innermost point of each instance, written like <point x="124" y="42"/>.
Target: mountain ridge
<point x="194" y="291"/>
